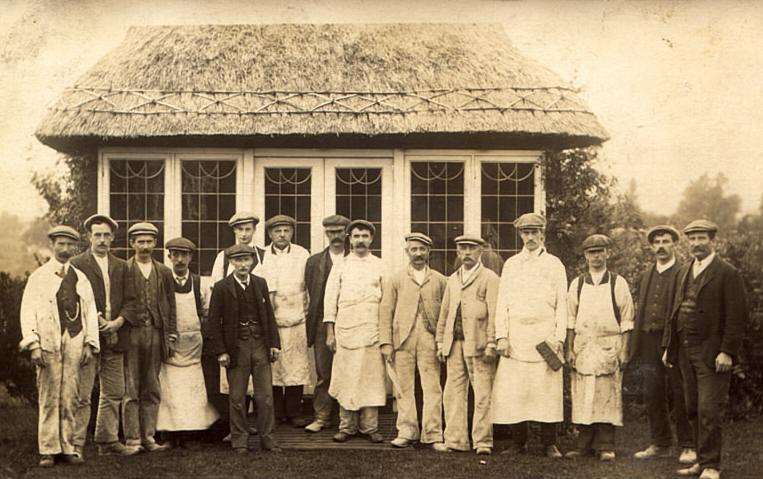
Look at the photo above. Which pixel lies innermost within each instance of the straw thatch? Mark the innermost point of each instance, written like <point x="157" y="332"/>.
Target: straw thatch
<point x="251" y="81"/>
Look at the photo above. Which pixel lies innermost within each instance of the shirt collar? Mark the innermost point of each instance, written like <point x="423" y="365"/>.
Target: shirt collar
<point x="467" y="274"/>
<point x="180" y="278"/>
<point x="661" y="268"/>
<point x="700" y="265"/>
<point x="244" y="284"/>
<point x="277" y="251"/>
<point x="534" y="254"/>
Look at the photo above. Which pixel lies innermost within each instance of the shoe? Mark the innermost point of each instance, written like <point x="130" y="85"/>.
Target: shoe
<point x="607" y="456"/>
<point x="116" y="449"/>
<point x="553" y="452"/>
<point x="515" y="449"/>
<point x="241" y="450"/>
<point x="156" y="447"/>
<point x="227" y="438"/>
<point x="693" y="470"/>
<point x="484" y="451"/>
<point x="315" y="426"/>
<point x="653" y="451"/>
<point x="375" y="437"/>
<point x="46" y="460"/>
<point x="74" y="459"/>
<point x="401" y="442"/>
<point x="710" y="473"/>
<point x="576" y="453"/>
<point x="251" y="430"/>
<point x="688" y="456"/>
<point x="298" y="422"/>
<point x="341" y="436"/>
<point x="441" y="447"/>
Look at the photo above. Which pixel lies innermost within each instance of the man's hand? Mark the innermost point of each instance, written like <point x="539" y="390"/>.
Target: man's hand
<point x="171" y="347"/>
<point x="101" y="320"/>
<point x="37" y="358"/>
<point x="440" y="354"/>
<point x="388" y="352"/>
<point x="274" y="353"/>
<point x="87" y="355"/>
<point x="665" y="359"/>
<point x="490" y="354"/>
<point x="223" y="360"/>
<point x="113" y="326"/>
<point x="723" y="363"/>
<point x="503" y="347"/>
<point x="331" y="339"/>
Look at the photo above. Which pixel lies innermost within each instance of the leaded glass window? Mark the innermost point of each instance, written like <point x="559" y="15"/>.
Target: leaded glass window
<point x="437" y="208"/>
<point x="507" y="193"/>
<point x="136" y="194"/>
<point x="287" y="192"/>
<point x="208" y="201"/>
<point x="359" y="196"/>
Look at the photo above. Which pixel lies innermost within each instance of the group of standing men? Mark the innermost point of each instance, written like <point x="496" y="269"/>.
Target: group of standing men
<point x="507" y="337"/>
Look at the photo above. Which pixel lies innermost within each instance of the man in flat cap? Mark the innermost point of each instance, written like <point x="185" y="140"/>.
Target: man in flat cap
<point x="317" y="272"/>
<point x="351" y="314"/>
<point x="531" y="312"/>
<point x="465" y="340"/>
<point x="599" y="323"/>
<point x="153" y="337"/>
<point x="283" y="266"/>
<point x="704" y="337"/>
<point x="408" y="318"/>
<point x="59" y="326"/>
<point x="655" y="295"/>
<point x="184" y="406"/>
<point x="243" y="224"/>
<point x="115" y="301"/>
<point x="243" y="334"/>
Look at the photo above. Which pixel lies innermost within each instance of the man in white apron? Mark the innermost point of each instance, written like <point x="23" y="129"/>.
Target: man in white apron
<point x="59" y="327"/>
<point x="465" y="340"/>
<point x="351" y="313"/>
<point x="184" y="405"/>
<point x="283" y="266"/>
<point x="599" y="323"/>
<point x="408" y="320"/>
<point x="532" y="309"/>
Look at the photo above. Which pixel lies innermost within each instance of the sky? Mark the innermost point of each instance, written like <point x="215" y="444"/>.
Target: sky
<point x="676" y="84"/>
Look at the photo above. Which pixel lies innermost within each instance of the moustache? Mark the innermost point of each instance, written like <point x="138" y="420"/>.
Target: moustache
<point x="661" y="250"/>
<point x="418" y="258"/>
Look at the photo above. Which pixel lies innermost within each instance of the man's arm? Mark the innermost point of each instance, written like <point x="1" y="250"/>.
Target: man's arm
<point x="31" y="300"/>
<point x="502" y="307"/>
<point x="561" y="312"/>
<point x="387" y="310"/>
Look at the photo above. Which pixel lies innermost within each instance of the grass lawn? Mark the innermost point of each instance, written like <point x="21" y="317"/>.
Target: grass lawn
<point x="743" y="458"/>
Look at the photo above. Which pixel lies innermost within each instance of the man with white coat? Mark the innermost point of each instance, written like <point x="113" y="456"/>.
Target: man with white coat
<point x="59" y="326"/>
<point x="531" y="311"/>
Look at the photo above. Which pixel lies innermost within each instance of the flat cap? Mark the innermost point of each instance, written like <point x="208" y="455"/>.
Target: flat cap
<point x="335" y="222"/>
<point x="661" y="229"/>
<point x="363" y="224"/>
<point x="420" y="237"/>
<point x="239" y="250"/>
<point x="530" y="220"/>
<point x="243" y="217"/>
<point x="470" y="239"/>
<point x="279" y="220"/>
<point x="597" y="241"/>
<point x="700" y="226"/>
<point x="63" y="231"/>
<point x="97" y="218"/>
<point x="180" y="244"/>
<point x="142" y="229"/>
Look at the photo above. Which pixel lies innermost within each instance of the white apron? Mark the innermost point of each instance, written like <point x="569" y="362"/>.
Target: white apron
<point x="597" y="379"/>
<point x="285" y="274"/>
<point x="184" y="405"/>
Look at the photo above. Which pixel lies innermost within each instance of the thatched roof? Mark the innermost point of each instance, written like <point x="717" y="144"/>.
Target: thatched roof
<point x="288" y="81"/>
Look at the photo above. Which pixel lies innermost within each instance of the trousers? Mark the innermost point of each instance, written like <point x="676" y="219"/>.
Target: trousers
<point x="83" y="408"/>
<point x="323" y="404"/>
<point x="141" y="404"/>
<point x="365" y="421"/>
<point x="599" y="436"/>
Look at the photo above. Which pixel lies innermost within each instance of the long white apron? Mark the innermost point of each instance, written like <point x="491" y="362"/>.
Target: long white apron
<point x="184" y="405"/>
<point x="597" y="379"/>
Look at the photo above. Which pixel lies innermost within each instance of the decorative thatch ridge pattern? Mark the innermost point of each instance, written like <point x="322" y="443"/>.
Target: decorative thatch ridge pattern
<point x="280" y="80"/>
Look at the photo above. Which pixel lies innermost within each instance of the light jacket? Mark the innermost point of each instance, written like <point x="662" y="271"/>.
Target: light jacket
<point x="40" y="322"/>
<point x="478" y="298"/>
<point x="400" y="304"/>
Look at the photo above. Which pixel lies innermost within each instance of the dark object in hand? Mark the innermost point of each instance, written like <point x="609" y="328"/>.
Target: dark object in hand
<point x="549" y="355"/>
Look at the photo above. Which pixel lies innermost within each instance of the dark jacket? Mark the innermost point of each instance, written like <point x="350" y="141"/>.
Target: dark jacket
<point x="643" y="289"/>
<point x="166" y="300"/>
<point x="316" y="274"/>
<point x="223" y="319"/>
<point x="721" y="312"/>
<point x="121" y="294"/>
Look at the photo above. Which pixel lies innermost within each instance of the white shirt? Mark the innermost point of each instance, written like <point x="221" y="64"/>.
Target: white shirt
<point x="661" y="268"/>
<point x="419" y="275"/>
<point x="466" y="274"/>
<point x="597" y="277"/>
<point x="181" y="279"/>
<point x="700" y="265"/>
<point x="336" y="258"/>
<point x="243" y="284"/>
<point x="145" y="268"/>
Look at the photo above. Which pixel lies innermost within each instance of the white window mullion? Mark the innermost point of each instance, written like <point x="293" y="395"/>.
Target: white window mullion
<point x="103" y="184"/>
<point x="472" y="195"/>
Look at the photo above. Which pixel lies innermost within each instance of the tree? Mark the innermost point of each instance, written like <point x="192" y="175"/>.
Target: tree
<point x="706" y="197"/>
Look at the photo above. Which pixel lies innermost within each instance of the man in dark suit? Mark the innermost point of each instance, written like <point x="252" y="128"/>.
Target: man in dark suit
<point x="244" y="336"/>
<point x="114" y="298"/>
<point x="655" y="293"/>
<point x="316" y="274"/>
<point x="153" y="332"/>
<point x="704" y="337"/>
